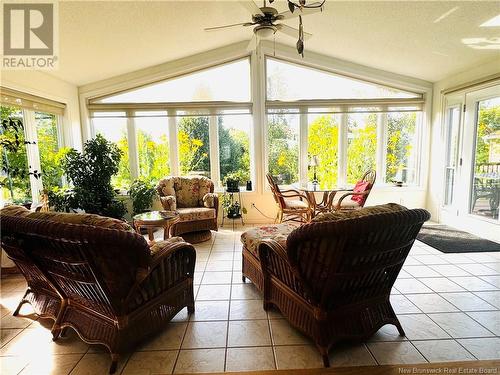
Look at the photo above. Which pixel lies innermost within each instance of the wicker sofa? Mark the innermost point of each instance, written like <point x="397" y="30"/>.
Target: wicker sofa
<point x="332" y="278"/>
<point x="98" y="276"/>
<point x="194" y="199"/>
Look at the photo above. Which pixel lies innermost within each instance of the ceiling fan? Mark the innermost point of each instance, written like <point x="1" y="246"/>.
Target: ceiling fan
<point x="264" y="19"/>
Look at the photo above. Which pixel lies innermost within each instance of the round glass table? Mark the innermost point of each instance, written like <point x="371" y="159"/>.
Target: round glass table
<point x="156" y="219"/>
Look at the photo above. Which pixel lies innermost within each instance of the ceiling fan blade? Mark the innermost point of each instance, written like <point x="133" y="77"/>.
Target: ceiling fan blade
<point x="226" y="26"/>
<point x="252" y="44"/>
<point x="298" y="12"/>
<point x="251" y="7"/>
<point x="291" y="31"/>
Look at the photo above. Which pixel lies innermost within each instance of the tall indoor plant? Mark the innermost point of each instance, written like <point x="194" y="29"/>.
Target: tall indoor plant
<point x="142" y="192"/>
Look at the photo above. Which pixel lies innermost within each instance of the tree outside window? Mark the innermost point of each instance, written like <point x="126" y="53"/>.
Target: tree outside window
<point x="361" y="145"/>
<point x="401" y="148"/>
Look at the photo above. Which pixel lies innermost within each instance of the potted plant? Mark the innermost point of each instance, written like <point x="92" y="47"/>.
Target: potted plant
<point x="90" y="174"/>
<point x="142" y="193"/>
<point x="233" y="209"/>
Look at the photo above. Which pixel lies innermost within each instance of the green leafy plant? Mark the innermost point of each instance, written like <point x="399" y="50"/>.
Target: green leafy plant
<point x="142" y="192"/>
<point x="232" y="208"/>
<point x="90" y="173"/>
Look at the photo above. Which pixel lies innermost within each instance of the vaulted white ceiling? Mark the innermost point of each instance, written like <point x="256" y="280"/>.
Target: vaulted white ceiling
<point x="426" y="40"/>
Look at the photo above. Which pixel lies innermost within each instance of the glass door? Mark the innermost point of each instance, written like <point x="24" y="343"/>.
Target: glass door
<point x="485" y="175"/>
<point x="452" y="139"/>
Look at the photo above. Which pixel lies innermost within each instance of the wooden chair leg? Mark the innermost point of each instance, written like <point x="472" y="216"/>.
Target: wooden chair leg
<point x="243" y="278"/>
<point x="21" y="303"/>
<point x="114" y="362"/>
<point x="324" y="354"/>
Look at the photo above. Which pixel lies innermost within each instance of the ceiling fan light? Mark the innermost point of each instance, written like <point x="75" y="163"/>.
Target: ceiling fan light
<point x="265" y="32"/>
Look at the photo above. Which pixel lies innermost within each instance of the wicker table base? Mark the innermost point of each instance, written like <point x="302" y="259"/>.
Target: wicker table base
<point x="197" y="237"/>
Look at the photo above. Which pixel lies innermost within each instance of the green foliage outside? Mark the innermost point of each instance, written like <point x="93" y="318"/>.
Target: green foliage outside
<point x="362" y="147"/>
<point x="489" y="123"/>
<point x="194" y="153"/>
<point x="401" y="129"/>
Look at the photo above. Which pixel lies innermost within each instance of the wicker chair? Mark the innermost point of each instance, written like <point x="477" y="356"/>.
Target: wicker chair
<point x="299" y="210"/>
<point x="348" y="204"/>
<point x="194" y="199"/>
<point x="332" y="280"/>
<point x="113" y="289"/>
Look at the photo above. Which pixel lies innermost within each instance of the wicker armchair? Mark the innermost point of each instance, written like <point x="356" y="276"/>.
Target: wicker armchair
<point x="332" y="279"/>
<point x="349" y="204"/>
<point x="194" y="199"/>
<point x="113" y="289"/>
<point x="299" y="210"/>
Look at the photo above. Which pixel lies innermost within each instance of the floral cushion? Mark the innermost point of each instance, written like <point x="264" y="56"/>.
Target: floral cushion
<point x="191" y="190"/>
<point x="160" y="245"/>
<point x="209" y="200"/>
<point x="166" y="186"/>
<point x="15" y="210"/>
<point x="196" y="213"/>
<point x="169" y="202"/>
<point x="367" y="211"/>
<point x="87" y="219"/>
<point x="278" y="232"/>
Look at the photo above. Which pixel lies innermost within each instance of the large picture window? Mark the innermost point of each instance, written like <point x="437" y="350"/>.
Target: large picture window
<point x="194" y="145"/>
<point x="361" y="144"/>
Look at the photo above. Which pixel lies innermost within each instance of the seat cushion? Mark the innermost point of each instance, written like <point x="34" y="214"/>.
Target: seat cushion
<point x="15" y="210"/>
<point x="367" y="211"/>
<point x="196" y="213"/>
<point x="278" y="232"/>
<point x="347" y="204"/>
<point x="295" y="204"/>
<point x="86" y="219"/>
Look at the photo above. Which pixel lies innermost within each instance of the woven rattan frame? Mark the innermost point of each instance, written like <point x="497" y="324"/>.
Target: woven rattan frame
<point x="111" y="290"/>
<point x="333" y="281"/>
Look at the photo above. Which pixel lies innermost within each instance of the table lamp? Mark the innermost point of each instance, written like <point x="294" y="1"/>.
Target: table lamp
<point x="314" y="162"/>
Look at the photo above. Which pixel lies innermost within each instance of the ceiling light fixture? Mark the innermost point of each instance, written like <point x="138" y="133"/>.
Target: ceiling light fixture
<point x="265" y="31"/>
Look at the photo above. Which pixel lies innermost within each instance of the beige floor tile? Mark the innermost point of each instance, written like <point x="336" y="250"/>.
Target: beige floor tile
<point x="493" y="280"/>
<point x="449" y="270"/>
<point x="10" y="300"/>
<point x="443" y="351"/>
<point x="237" y="277"/>
<point x="492" y="298"/>
<point x="168" y="339"/>
<point x="431" y="303"/>
<point x="402" y="305"/>
<point x="182" y="316"/>
<point x="351" y="355"/>
<point x="476" y="269"/>
<point x="430" y="259"/>
<point x="472" y="283"/>
<point x="247" y="309"/>
<point x="61" y="364"/>
<point x="12" y="365"/>
<point x="205" y="335"/>
<point x="245" y="291"/>
<point x="250" y="359"/>
<point x="411" y="286"/>
<point x="154" y="362"/>
<point x="249" y="333"/>
<point x="483" y="348"/>
<point x="219" y="265"/>
<point x="213" y="292"/>
<point x="200" y="360"/>
<point x="237" y="265"/>
<point x="442" y="284"/>
<point x="459" y="325"/>
<point x="421" y="271"/>
<point x="8" y="334"/>
<point x="297" y="357"/>
<point x="283" y="333"/>
<point x="488" y="319"/>
<point x="97" y="363"/>
<point x="421" y="327"/>
<point x="210" y="310"/>
<point x="221" y="255"/>
<point x="20" y="321"/>
<point x="467" y="301"/>
<point x="388" y="332"/>
<point x="210" y="278"/>
<point x="390" y="353"/>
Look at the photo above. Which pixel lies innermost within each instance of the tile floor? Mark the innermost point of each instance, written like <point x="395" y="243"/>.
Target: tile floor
<point x="449" y="305"/>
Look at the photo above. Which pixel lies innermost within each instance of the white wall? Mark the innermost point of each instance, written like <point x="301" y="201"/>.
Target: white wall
<point x="49" y="87"/>
<point x="437" y="155"/>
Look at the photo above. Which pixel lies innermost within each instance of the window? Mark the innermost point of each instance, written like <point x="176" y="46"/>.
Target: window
<point x="194" y="144"/>
<point x="288" y="82"/>
<point x="234" y="146"/>
<point x="15" y="179"/>
<point x="113" y="127"/>
<point x="212" y="84"/>
<point x="361" y="144"/>
<point x="51" y="155"/>
<point x="283" y="146"/>
<point x="151" y="130"/>
<point x="401" y="155"/>
<point x="323" y="142"/>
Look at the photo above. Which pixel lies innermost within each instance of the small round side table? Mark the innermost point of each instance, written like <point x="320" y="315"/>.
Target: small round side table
<point x="156" y="219"/>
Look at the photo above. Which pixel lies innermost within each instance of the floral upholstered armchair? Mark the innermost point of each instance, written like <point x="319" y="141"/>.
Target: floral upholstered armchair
<point x="194" y="199"/>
